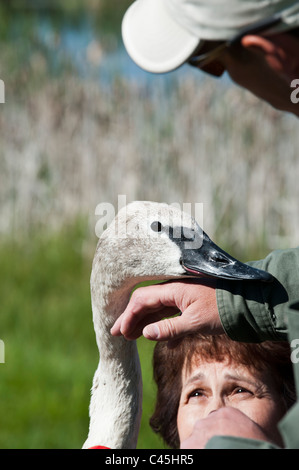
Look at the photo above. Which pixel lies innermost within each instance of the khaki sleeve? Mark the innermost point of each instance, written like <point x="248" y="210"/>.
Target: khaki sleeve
<point x="254" y="311"/>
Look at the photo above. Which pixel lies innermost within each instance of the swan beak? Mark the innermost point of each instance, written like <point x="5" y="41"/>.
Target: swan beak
<point x="210" y="260"/>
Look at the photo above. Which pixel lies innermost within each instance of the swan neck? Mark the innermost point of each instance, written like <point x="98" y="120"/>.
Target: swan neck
<point x="115" y="407"/>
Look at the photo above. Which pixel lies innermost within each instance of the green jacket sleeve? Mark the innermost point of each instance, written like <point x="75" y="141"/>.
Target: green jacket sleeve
<point x="253" y="311"/>
<point x="258" y="312"/>
<point x="231" y="442"/>
<point x="288" y="426"/>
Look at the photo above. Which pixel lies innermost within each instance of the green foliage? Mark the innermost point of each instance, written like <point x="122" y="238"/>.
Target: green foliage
<point x="103" y="14"/>
<point x="50" y="349"/>
<point x="49" y="344"/>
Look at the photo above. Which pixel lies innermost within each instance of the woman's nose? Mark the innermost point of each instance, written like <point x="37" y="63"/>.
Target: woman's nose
<point x="215" y="404"/>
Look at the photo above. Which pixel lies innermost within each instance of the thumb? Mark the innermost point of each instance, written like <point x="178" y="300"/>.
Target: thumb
<point x="164" y="330"/>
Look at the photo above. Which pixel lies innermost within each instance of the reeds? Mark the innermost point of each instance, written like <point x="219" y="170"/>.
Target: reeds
<point x="71" y="143"/>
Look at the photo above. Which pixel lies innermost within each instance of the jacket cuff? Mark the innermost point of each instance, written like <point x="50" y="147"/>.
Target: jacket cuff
<point x="231" y="442"/>
<point x="245" y="311"/>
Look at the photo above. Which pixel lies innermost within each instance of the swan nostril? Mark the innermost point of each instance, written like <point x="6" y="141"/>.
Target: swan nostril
<point x="220" y="258"/>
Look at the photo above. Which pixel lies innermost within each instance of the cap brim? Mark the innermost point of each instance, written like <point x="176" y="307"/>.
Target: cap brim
<point x="153" y="39"/>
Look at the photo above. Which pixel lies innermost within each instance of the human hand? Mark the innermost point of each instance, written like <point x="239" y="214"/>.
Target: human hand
<point x="226" y="421"/>
<point x="149" y="305"/>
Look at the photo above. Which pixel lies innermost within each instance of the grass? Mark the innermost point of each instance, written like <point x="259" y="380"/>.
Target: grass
<point x="50" y="350"/>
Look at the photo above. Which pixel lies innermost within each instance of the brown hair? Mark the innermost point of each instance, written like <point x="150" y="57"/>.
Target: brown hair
<point x="168" y="365"/>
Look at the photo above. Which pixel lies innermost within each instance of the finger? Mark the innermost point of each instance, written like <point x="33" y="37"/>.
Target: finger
<point x="131" y="322"/>
<point x="168" y="329"/>
<point x="136" y="330"/>
<point x="144" y="303"/>
<point x="147" y="300"/>
<point x="115" y="330"/>
<point x="139" y="304"/>
<point x="147" y="320"/>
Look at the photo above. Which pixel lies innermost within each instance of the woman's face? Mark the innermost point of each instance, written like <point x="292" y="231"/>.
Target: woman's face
<point x="208" y="386"/>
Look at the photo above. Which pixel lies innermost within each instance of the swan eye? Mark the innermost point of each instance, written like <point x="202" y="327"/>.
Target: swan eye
<point x="157" y="226"/>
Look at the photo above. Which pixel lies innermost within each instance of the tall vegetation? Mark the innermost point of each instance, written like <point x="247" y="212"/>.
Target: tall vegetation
<point x="70" y="144"/>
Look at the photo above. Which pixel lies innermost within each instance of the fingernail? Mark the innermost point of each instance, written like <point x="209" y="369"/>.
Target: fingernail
<point x="151" y="332"/>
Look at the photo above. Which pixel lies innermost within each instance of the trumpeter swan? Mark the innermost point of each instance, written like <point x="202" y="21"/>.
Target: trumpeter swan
<point x="146" y="241"/>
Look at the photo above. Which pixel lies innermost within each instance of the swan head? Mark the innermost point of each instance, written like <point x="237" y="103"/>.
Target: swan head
<point x="149" y="239"/>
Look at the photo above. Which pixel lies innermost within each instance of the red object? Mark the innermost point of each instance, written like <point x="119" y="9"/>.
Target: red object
<point x="99" y="447"/>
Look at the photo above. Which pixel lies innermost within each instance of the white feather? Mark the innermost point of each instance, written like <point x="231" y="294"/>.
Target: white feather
<point x="128" y="252"/>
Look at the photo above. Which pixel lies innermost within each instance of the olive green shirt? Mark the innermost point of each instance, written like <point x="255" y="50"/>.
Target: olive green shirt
<point x="255" y="312"/>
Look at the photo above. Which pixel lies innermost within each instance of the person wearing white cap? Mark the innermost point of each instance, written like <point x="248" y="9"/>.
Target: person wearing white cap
<point x="255" y="41"/>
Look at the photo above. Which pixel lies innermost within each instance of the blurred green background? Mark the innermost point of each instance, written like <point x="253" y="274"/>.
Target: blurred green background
<point x="82" y="124"/>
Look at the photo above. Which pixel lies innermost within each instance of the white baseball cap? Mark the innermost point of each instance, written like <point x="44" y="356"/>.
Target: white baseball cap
<point x="160" y="35"/>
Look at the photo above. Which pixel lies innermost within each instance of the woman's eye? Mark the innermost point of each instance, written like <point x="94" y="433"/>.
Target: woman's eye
<point x="196" y="394"/>
<point x="241" y="390"/>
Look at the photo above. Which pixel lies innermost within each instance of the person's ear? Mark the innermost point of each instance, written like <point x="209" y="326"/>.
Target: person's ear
<point x="279" y="51"/>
